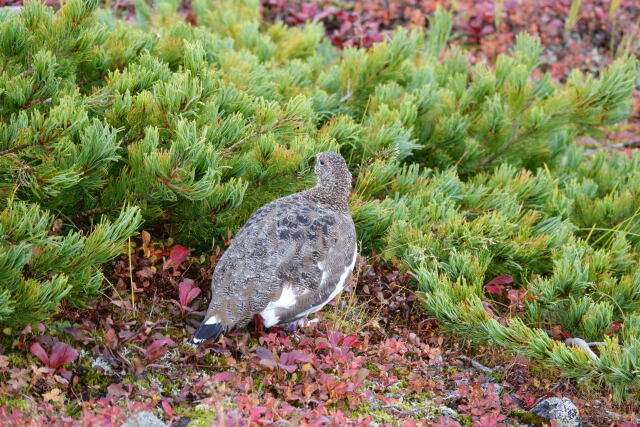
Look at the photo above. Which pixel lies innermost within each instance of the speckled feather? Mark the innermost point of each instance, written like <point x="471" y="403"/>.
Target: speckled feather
<point x="289" y="258"/>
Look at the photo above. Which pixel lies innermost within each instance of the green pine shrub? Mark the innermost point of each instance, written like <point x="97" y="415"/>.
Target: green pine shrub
<point x="39" y="268"/>
<point x="464" y="172"/>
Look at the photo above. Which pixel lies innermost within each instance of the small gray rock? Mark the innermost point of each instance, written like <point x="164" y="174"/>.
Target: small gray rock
<point x="144" y="419"/>
<point x="497" y="388"/>
<point x="560" y="409"/>
<point x="446" y="411"/>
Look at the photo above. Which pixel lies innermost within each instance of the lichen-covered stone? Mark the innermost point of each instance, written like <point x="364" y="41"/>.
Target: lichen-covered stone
<point x="560" y="409"/>
<point x="144" y="419"/>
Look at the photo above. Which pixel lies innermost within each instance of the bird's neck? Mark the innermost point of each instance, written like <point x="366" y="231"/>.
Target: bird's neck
<point x="333" y="195"/>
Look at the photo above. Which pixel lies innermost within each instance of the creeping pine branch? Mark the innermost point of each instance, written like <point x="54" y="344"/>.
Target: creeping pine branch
<point x="41" y="143"/>
<point x="14" y="149"/>
<point x="479" y="366"/>
<point x="262" y="132"/>
<point x="35" y="102"/>
<point x="171" y="185"/>
<point x="94" y="211"/>
<point x="579" y="342"/>
<point x="508" y="144"/>
<point x="502" y="149"/>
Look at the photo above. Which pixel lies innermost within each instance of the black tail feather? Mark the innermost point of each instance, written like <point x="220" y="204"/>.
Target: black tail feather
<point x="205" y="332"/>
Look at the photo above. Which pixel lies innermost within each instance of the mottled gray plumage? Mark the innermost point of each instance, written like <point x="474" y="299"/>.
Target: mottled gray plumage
<point x="291" y="257"/>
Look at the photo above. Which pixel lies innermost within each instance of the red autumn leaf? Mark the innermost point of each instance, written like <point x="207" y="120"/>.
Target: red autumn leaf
<point x="295" y="356"/>
<point x="615" y="325"/>
<point x="494" y="289"/>
<point x="557" y="332"/>
<point x="334" y="338"/>
<point x="157" y="349"/>
<point x="146" y="238"/>
<point x="487" y="308"/>
<point x="187" y="292"/>
<point x="222" y="376"/>
<point x="350" y="341"/>
<point x="505" y="279"/>
<point x="78" y="334"/>
<point x="491" y="420"/>
<point x="116" y="390"/>
<point x="156" y="344"/>
<point x="516" y="297"/>
<point x="178" y="254"/>
<point x="266" y="357"/>
<point x="289" y="368"/>
<point x="39" y="352"/>
<point x="496" y="285"/>
<point x="112" y="339"/>
<point x="144" y="273"/>
<point x="62" y="353"/>
<point x="167" y="409"/>
<point x="256" y="412"/>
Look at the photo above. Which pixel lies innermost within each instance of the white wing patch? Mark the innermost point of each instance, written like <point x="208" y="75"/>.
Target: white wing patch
<point x="288" y="297"/>
<point x="287" y="300"/>
<point x="339" y="286"/>
<point x="212" y="320"/>
<point x="325" y="273"/>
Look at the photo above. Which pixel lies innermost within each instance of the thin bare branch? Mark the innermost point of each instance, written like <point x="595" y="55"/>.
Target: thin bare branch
<point x="14" y="149"/>
<point x="262" y="132"/>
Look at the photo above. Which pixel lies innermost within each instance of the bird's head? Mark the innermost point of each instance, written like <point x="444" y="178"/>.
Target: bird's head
<point x="332" y="172"/>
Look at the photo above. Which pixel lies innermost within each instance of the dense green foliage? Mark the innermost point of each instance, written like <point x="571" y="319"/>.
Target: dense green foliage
<point x="463" y="172"/>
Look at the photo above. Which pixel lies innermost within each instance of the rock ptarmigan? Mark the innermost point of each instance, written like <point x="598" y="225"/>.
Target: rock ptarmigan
<point x="292" y="257"/>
